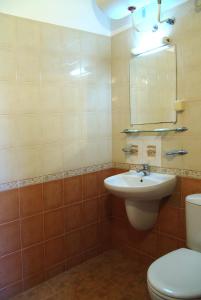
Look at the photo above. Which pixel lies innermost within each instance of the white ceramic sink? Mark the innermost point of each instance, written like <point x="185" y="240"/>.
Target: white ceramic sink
<point x="133" y="185"/>
<point x="142" y="195"/>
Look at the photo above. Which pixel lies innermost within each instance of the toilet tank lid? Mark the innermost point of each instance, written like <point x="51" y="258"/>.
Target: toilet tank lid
<point x="194" y="199"/>
<point x="177" y="274"/>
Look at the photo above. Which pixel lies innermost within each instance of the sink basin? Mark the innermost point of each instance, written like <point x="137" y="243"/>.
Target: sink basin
<point x="132" y="185"/>
<point x="142" y="195"/>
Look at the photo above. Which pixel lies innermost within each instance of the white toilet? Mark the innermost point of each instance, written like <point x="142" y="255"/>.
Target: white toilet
<point x="177" y="275"/>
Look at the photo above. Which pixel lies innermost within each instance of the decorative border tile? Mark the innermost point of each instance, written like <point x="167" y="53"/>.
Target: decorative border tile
<point x="29" y="181"/>
<point x="9" y="186"/>
<point x="95" y="168"/>
<point x="50" y="177"/>
<point x="178" y="172"/>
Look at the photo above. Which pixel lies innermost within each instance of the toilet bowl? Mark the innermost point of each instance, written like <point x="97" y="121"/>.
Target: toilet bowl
<point x="177" y="275"/>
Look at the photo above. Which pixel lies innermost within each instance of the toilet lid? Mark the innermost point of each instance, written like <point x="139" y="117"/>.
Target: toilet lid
<point x="177" y="274"/>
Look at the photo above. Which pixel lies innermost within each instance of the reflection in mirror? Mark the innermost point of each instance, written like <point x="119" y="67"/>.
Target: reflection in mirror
<point x="153" y="86"/>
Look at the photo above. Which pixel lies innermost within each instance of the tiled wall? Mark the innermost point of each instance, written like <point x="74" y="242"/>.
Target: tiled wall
<point x="55" y="99"/>
<point x="185" y="34"/>
<point x="47" y="228"/>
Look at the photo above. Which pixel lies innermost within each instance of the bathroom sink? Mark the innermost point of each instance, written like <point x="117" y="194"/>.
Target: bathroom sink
<point x="142" y="195"/>
<point x="133" y="185"/>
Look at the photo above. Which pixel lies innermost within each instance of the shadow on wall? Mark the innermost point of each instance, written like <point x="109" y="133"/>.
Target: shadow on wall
<point x="102" y="18"/>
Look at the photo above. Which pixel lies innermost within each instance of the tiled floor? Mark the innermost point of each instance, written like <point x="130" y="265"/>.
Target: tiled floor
<point x="109" y="276"/>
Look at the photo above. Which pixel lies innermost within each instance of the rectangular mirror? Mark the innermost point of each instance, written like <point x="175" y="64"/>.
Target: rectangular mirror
<point x="153" y="86"/>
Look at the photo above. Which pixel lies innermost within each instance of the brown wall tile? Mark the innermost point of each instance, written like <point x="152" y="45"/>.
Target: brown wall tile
<point x="91" y="185"/>
<point x="105" y="235"/>
<point x="31" y="200"/>
<point x="54" y="223"/>
<point x="54" y="252"/>
<point x="118" y="207"/>
<point x="11" y="291"/>
<point x="73" y="217"/>
<point x="11" y="269"/>
<point x="53" y="194"/>
<point x="89" y="238"/>
<point x="120" y="230"/>
<point x="166" y="244"/>
<point x="32" y="281"/>
<point x="73" y="189"/>
<point x="105" y="202"/>
<point x="32" y="230"/>
<point x="182" y="224"/>
<point x="52" y="272"/>
<point x="33" y="260"/>
<point x="73" y="243"/>
<point x="169" y="220"/>
<point x="189" y="186"/>
<point x="75" y="260"/>
<point x="101" y="176"/>
<point x="91" y="211"/>
<point x="9" y="237"/>
<point x="9" y="206"/>
<point x="147" y="243"/>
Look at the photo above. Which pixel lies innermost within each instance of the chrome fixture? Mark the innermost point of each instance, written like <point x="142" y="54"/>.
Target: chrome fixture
<point x="176" y="152"/>
<point x="197" y="5"/>
<point x="131" y="9"/>
<point x="165" y="43"/>
<point x="157" y="130"/>
<point x="145" y="170"/>
<point x="130" y="149"/>
<point x="170" y="21"/>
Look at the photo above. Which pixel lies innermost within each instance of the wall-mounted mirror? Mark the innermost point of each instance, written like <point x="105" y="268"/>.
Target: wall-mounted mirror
<point x="153" y="86"/>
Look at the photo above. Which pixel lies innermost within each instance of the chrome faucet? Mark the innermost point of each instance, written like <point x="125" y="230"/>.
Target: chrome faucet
<point x="145" y="170"/>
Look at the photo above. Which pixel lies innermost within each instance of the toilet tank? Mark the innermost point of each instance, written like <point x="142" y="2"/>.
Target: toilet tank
<point x="193" y="221"/>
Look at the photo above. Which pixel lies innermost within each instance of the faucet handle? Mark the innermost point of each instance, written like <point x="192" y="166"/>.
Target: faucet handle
<point x="146" y="167"/>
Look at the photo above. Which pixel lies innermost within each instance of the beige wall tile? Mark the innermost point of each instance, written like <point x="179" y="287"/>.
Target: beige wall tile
<point x="9" y="168"/>
<point x="7" y="131"/>
<point x="8" y="97"/>
<point x="28" y="66"/>
<point x="73" y="152"/>
<point x="50" y="38"/>
<point x="29" y="162"/>
<point x="52" y="158"/>
<point x="7" y="31"/>
<point x="28" y="34"/>
<point x="55" y="98"/>
<point x="52" y="128"/>
<point x="8" y="65"/>
<point x="28" y="130"/>
<point x="51" y="99"/>
<point x="27" y="98"/>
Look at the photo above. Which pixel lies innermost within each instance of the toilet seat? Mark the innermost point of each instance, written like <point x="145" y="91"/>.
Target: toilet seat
<point x="160" y="296"/>
<point x="177" y="275"/>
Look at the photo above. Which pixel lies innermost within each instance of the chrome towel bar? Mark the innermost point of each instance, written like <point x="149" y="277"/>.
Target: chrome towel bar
<point x="176" y="152"/>
<point x="157" y="130"/>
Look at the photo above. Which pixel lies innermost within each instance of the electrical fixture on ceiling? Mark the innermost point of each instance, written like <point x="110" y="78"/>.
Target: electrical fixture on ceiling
<point x="198" y="5"/>
<point x="118" y="9"/>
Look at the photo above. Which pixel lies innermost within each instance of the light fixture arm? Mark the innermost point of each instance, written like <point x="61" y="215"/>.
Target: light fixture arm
<point x="132" y="9"/>
<point x="170" y="21"/>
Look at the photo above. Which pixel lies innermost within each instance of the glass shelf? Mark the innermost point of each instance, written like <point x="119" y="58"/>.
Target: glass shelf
<point x="157" y="130"/>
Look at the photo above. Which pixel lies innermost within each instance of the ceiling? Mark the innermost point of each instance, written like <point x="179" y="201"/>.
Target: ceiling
<point x="78" y="14"/>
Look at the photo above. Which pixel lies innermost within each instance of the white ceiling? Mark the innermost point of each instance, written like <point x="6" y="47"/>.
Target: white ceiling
<point x="79" y="14"/>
